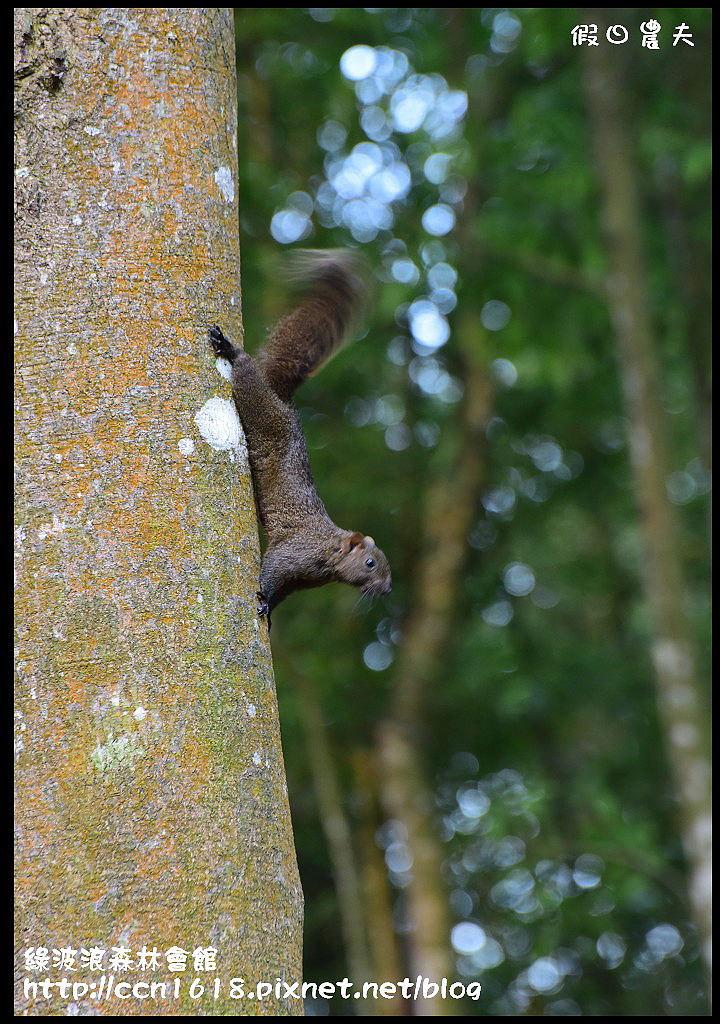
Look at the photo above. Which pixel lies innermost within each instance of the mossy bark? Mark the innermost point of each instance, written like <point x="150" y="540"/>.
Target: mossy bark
<point x="151" y="800"/>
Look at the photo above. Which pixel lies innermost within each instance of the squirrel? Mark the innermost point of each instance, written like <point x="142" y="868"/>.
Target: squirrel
<point x="304" y="546"/>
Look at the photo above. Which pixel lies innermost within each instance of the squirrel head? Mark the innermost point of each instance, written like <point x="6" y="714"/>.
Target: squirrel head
<point x="362" y="564"/>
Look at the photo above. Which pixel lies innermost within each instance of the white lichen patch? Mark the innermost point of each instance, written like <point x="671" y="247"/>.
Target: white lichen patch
<point x="224" y="368"/>
<point x="139" y="714"/>
<point x="219" y="424"/>
<point x="186" y="445"/>
<point x="77" y="220"/>
<point x="117" y="753"/>
<point x="257" y="759"/>
<point x="90" y="130"/>
<point x="20" y="727"/>
<point x="50" y="529"/>
<point x="224" y="179"/>
<point x="251" y="710"/>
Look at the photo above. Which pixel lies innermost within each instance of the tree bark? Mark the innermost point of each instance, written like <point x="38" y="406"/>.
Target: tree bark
<point x="681" y="700"/>
<point x="151" y="799"/>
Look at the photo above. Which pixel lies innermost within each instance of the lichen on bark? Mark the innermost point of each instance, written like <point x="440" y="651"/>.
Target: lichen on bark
<point x="151" y="799"/>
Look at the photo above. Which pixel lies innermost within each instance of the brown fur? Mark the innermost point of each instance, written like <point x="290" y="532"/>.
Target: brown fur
<point x="305" y="548"/>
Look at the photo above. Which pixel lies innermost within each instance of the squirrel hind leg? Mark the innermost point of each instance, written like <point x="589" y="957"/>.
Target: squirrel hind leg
<point x="221" y="346"/>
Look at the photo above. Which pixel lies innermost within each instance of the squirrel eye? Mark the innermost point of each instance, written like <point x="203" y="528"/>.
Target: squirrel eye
<point x="369" y="562"/>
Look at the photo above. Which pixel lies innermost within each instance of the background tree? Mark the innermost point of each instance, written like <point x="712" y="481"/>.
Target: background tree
<point x="152" y="806"/>
<point x="683" y="706"/>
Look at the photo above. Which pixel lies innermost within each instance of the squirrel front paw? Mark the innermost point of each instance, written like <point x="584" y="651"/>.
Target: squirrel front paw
<point x="221" y="346"/>
<point x="263" y="607"/>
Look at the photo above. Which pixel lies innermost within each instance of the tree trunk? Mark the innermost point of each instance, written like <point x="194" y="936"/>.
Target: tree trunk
<point x="336" y="828"/>
<point x="405" y="793"/>
<point x="382" y="938"/>
<point x="681" y="701"/>
<point x="151" y="800"/>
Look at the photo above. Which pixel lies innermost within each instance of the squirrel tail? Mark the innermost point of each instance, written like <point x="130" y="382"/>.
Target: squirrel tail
<point x="335" y="289"/>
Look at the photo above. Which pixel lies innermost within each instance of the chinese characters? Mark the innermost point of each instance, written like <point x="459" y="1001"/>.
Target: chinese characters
<point x="618" y="35"/>
<point x="121" y="959"/>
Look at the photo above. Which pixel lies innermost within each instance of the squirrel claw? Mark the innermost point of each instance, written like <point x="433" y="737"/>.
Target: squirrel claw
<point x="263" y="607"/>
<point x="221" y="346"/>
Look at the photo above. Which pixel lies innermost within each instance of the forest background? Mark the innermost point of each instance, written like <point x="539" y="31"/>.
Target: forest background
<point x="500" y="769"/>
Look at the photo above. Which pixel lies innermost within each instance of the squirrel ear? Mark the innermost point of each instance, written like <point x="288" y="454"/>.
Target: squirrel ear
<point x="351" y="542"/>
<point x="369" y="541"/>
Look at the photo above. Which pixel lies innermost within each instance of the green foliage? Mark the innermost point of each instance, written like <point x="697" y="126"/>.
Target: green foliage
<point x="545" y="721"/>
